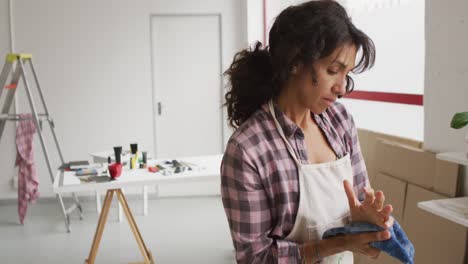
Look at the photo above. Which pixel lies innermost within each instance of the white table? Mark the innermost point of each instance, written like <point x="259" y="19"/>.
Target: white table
<point x="455" y="157"/>
<point x="453" y="209"/>
<point x="66" y="182"/>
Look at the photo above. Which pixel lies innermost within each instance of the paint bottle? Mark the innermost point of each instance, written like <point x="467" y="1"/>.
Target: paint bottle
<point x="145" y="159"/>
<point x="133" y="163"/>
<point x="117" y="153"/>
<point x="134" y="156"/>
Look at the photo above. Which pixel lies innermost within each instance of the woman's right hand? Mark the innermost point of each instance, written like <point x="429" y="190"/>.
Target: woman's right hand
<point x="360" y="243"/>
<point x="371" y="210"/>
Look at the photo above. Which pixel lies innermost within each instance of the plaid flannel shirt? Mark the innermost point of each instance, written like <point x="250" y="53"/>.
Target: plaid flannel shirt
<point x="259" y="180"/>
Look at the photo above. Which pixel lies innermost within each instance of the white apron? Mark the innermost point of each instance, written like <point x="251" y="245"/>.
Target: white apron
<point x="323" y="203"/>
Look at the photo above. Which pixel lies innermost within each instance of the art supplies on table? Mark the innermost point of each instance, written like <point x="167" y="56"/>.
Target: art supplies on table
<point x="115" y="170"/>
<point x="145" y="159"/>
<point x="117" y="154"/>
<point x="75" y="165"/>
<point x="96" y="173"/>
<point x="78" y="165"/>
<point x="153" y="169"/>
<point x="94" y="178"/>
<point x="86" y="172"/>
<point x="172" y="167"/>
<point x="125" y="157"/>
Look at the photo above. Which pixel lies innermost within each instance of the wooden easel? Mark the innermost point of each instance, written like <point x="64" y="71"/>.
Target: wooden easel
<point x="148" y="258"/>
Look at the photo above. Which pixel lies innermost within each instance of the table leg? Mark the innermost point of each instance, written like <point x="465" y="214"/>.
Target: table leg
<point x="156" y="190"/>
<point x="148" y="258"/>
<point x="145" y="200"/>
<point x="98" y="202"/>
<point x="98" y="196"/>
<point x="100" y="227"/>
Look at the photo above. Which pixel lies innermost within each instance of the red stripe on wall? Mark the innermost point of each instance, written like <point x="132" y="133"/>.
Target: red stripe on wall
<point x="411" y="99"/>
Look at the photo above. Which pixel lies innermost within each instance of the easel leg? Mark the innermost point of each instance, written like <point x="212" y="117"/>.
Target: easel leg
<point x="148" y="258"/>
<point x="100" y="227"/>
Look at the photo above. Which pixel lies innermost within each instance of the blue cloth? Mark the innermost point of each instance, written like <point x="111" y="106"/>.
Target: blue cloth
<point x="398" y="246"/>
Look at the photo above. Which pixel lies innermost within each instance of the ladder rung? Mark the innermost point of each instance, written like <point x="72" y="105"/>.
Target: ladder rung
<point x="71" y="209"/>
<point x="25" y="56"/>
<point x="11" y="86"/>
<point x="16" y="117"/>
<point x="12" y="57"/>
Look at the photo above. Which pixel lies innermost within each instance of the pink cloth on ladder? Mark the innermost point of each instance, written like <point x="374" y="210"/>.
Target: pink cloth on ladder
<point x="28" y="181"/>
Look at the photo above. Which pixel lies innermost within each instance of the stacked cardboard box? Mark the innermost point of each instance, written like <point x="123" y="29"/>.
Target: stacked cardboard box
<point x="368" y="141"/>
<point x="407" y="175"/>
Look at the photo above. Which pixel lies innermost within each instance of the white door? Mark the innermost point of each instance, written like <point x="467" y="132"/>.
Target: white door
<point x="187" y="84"/>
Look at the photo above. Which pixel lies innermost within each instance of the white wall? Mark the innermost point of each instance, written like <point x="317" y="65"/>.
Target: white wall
<point x="394" y="119"/>
<point x="398" y="33"/>
<point x="421" y="49"/>
<point x="446" y="84"/>
<point x="93" y="60"/>
<point x="397" y="29"/>
<point x="254" y="21"/>
<point x="251" y="21"/>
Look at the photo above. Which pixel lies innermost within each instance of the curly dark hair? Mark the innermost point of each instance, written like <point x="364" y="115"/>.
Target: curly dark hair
<point x="301" y="34"/>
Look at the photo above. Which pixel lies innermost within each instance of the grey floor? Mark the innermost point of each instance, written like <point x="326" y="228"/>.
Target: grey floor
<point x="176" y="230"/>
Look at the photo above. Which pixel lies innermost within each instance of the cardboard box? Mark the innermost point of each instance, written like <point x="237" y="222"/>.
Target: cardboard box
<point x="446" y="180"/>
<point x="394" y="191"/>
<point x="365" y="134"/>
<point x="367" y="144"/>
<point x="407" y="175"/>
<point x="368" y="141"/>
<point x="406" y="163"/>
<point x="436" y="240"/>
<point x="418" y="167"/>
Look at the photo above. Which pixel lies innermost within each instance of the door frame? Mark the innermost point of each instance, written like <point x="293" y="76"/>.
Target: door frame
<point x="153" y="85"/>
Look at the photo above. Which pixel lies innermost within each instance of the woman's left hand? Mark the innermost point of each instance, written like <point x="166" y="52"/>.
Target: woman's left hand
<point x="372" y="209"/>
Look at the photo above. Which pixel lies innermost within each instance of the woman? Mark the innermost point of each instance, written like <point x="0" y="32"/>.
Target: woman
<point x="293" y="167"/>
